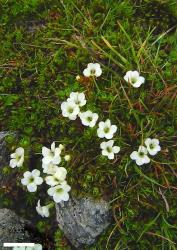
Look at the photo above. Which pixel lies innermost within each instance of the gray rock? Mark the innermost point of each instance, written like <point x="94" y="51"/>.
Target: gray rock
<point x="12" y="228"/>
<point x="82" y="220"/>
<point x="3" y="150"/>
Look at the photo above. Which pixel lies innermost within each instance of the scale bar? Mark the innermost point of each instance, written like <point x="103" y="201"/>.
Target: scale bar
<point x="18" y="244"/>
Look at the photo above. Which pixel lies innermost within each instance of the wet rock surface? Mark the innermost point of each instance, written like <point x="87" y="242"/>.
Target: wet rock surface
<point x="82" y="220"/>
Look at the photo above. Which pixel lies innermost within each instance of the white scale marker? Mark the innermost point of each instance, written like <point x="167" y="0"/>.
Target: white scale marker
<point x="18" y="244"/>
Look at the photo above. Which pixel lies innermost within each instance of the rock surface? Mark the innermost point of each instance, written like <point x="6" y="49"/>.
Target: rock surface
<point x="82" y="220"/>
<point x="12" y="228"/>
<point x="3" y="149"/>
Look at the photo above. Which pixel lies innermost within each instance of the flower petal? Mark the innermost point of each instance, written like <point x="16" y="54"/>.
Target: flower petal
<point x="20" y="151"/>
<point x="86" y="72"/>
<point x="32" y="187"/>
<point x="134" y="155"/>
<point x="45" y="151"/>
<point x="111" y="156"/>
<point x="38" y="180"/>
<point x="13" y="163"/>
<point x="116" y="149"/>
<point x="35" y="172"/>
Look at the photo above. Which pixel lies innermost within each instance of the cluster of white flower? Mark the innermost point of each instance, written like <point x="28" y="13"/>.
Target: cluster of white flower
<point x="106" y="130"/>
<point x="71" y="108"/>
<point x="56" y="176"/>
<point x="140" y="156"/>
<point x="88" y="118"/>
<point x="73" y="105"/>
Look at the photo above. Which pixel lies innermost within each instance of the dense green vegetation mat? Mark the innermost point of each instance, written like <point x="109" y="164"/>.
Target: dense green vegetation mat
<point x="44" y="46"/>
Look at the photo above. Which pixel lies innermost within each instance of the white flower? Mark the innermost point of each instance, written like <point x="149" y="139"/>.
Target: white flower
<point x="57" y="178"/>
<point x="106" y="129"/>
<point x="60" y="192"/>
<point x="32" y="180"/>
<point x="152" y="145"/>
<point x="49" y="168"/>
<point x="51" y="155"/>
<point x="17" y="158"/>
<point x="93" y="69"/>
<point x="140" y="156"/>
<point x="42" y="210"/>
<point x="134" y="78"/>
<point x="88" y="118"/>
<point x="77" y="98"/>
<point x="67" y="157"/>
<point x="108" y="149"/>
<point x="70" y="110"/>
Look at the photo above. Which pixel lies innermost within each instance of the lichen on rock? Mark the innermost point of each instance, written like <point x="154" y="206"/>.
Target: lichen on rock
<point x="82" y="220"/>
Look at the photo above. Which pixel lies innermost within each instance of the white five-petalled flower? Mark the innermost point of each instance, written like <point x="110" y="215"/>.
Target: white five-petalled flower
<point x="134" y="78"/>
<point x="42" y="210"/>
<point x="17" y="158"/>
<point x="140" y="156"/>
<point x="88" y="118"/>
<point x="57" y="178"/>
<point x="77" y="98"/>
<point x="32" y="180"/>
<point x="51" y="155"/>
<point x="106" y="129"/>
<point x="108" y="149"/>
<point x="152" y="145"/>
<point x="70" y="110"/>
<point x="60" y="192"/>
<point x="93" y="69"/>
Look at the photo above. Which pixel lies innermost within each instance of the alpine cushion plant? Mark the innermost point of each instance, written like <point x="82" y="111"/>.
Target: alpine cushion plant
<point x="52" y="157"/>
<point x="56" y="176"/>
<point x="40" y="59"/>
